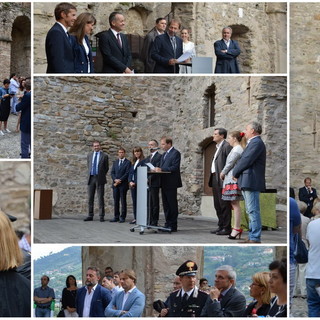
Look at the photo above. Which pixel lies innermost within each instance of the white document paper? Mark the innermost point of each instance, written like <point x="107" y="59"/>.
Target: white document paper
<point x="185" y="56"/>
<point x="150" y="165"/>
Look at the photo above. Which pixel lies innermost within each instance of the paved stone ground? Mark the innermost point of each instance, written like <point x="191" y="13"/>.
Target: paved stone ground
<point x="10" y="142"/>
<point x="191" y="230"/>
<point x="299" y="308"/>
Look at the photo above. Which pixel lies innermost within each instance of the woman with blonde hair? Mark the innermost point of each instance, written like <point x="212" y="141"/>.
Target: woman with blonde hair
<point x="260" y="292"/>
<point x="230" y="190"/>
<point x="80" y="31"/>
<point x="15" y="295"/>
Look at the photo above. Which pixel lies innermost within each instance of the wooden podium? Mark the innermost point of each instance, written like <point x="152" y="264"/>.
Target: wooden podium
<point x="42" y="204"/>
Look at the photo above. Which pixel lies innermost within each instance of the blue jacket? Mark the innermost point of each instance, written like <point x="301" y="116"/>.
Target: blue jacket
<point x="25" y="107"/>
<point x="60" y="57"/>
<point x="101" y="298"/>
<point x="80" y="56"/>
<point x="227" y="62"/>
<point x="134" y="305"/>
<point x="251" y="167"/>
<point x="162" y="52"/>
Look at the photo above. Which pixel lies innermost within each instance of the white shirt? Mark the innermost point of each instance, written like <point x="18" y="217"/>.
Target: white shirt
<point x="64" y="28"/>
<point x="227" y="43"/>
<point x="213" y="167"/>
<point x="115" y="34"/>
<point x="87" y="302"/>
<point x="126" y="296"/>
<point x="187" y="292"/>
<point x="86" y="48"/>
<point x="313" y="265"/>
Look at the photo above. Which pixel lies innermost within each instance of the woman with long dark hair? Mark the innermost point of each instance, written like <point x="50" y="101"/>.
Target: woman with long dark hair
<point x="79" y="32"/>
<point x="69" y="294"/>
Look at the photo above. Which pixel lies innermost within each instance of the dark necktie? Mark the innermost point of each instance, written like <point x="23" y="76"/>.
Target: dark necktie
<point x="120" y="163"/>
<point x="68" y="35"/>
<point x="220" y="297"/>
<point x="94" y="169"/>
<point x="119" y="40"/>
<point x="185" y="299"/>
<point x="174" y="45"/>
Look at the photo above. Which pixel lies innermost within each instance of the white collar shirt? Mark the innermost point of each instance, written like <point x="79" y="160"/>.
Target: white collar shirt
<point x="98" y="158"/>
<point x="126" y="296"/>
<point x="213" y="168"/>
<point x="87" y="302"/>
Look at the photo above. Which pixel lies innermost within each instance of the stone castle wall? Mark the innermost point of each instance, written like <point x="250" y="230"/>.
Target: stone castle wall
<point x="304" y="102"/>
<point x="259" y="27"/>
<point x="15" y="39"/>
<point x="15" y="191"/>
<point x="71" y="112"/>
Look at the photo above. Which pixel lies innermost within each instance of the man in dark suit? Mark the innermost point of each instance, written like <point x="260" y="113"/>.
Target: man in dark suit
<point x="25" y="121"/>
<point x="98" y="166"/>
<point x="166" y="49"/>
<point x="60" y="57"/>
<point x="92" y="299"/>
<point x="120" y="185"/>
<point x="227" y="51"/>
<point x="170" y="182"/>
<point x="224" y="299"/>
<point x="307" y="194"/>
<point x="159" y="29"/>
<point x="250" y="172"/>
<point x="114" y="46"/>
<point x="189" y="300"/>
<point x="154" y="182"/>
<point x="222" y="207"/>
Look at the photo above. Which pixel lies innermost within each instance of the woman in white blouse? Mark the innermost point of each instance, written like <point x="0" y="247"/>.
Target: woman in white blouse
<point x="187" y="46"/>
<point x="81" y="29"/>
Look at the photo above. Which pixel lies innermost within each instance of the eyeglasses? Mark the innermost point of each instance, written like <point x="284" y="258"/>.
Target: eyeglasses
<point x="255" y="284"/>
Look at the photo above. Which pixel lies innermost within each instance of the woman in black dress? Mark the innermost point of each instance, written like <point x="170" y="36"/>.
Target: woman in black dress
<point x="69" y="294"/>
<point x="15" y="289"/>
<point x="260" y="292"/>
<point x="4" y="106"/>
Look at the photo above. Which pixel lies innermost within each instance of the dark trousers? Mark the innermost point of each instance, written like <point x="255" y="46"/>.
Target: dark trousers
<point x="120" y="194"/>
<point x="25" y="145"/>
<point x="170" y="207"/>
<point x="134" y="201"/>
<point x="223" y="208"/>
<point x="154" y="205"/>
<point x="93" y="186"/>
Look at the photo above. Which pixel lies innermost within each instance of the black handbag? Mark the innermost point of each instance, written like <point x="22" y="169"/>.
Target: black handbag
<point x="61" y="314"/>
<point x="300" y="251"/>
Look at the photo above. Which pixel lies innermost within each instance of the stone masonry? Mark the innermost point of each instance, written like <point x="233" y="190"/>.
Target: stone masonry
<point x="15" y="195"/>
<point x="304" y="105"/>
<point x="71" y="112"/>
<point x="15" y="39"/>
<point x="260" y="28"/>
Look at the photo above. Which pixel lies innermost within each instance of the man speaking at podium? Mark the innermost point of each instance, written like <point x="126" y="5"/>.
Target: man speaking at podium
<point x="167" y="48"/>
<point x="170" y="182"/>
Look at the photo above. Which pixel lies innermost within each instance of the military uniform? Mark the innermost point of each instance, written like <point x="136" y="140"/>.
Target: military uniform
<point x="192" y="307"/>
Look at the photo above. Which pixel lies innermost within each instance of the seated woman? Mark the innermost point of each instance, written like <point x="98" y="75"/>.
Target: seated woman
<point x="15" y="292"/>
<point x="137" y="161"/>
<point x="69" y="294"/>
<point x="278" y="285"/>
<point x="260" y="292"/>
<point x="80" y="31"/>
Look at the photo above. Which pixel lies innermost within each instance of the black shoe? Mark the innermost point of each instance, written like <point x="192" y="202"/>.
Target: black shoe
<point x="102" y="219"/>
<point x="133" y="221"/>
<point x="216" y="230"/>
<point x="88" y="219"/>
<point x="223" y="232"/>
<point x="122" y="220"/>
<point x="114" y="220"/>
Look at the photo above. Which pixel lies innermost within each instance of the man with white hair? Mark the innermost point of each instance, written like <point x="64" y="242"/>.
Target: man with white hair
<point x="224" y="299"/>
<point x="250" y="171"/>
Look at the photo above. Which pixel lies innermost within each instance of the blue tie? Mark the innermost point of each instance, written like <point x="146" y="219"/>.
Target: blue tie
<point x="94" y="169"/>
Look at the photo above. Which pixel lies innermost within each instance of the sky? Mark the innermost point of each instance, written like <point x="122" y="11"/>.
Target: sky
<point x="42" y="250"/>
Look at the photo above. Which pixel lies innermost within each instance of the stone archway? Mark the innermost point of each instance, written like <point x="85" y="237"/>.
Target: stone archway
<point x="21" y="46"/>
<point x="241" y="34"/>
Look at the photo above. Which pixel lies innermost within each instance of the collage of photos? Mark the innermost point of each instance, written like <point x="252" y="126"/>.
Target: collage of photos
<point x="159" y="159"/>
